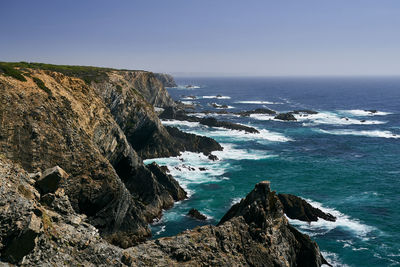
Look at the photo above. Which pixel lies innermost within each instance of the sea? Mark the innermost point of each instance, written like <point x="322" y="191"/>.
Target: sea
<point x="344" y="160"/>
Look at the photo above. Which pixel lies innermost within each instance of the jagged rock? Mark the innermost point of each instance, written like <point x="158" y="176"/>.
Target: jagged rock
<point x="257" y="111"/>
<point x="50" y="180"/>
<point x="297" y="208"/>
<point x="24" y="240"/>
<point x="285" y="117"/>
<point x="166" y="79"/>
<point x="168" y="182"/>
<point x="192" y="142"/>
<point x="212" y="157"/>
<point x="254" y="232"/>
<point x="212" y="122"/>
<point x="194" y="213"/>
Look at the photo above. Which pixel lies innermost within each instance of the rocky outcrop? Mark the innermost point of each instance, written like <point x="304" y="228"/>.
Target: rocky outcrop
<point x="179" y="114"/>
<point x="297" y="208"/>
<point x="35" y="232"/>
<point x="285" y="117"/>
<point x="194" y="213"/>
<point x="73" y="128"/>
<point x="166" y="79"/>
<point x="257" y="111"/>
<point x="254" y="232"/>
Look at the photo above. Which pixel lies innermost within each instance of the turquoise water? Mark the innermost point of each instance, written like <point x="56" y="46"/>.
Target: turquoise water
<point x="341" y="163"/>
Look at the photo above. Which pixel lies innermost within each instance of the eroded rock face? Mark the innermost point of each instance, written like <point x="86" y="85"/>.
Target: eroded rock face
<point x="74" y="129"/>
<point x="166" y="79"/>
<point x="254" y="232"/>
<point x="297" y="208"/>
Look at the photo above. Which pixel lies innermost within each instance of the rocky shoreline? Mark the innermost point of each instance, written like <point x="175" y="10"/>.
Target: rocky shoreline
<point x="74" y="189"/>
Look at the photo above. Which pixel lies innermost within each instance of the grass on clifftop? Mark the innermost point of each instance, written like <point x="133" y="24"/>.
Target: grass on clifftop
<point x="86" y="73"/>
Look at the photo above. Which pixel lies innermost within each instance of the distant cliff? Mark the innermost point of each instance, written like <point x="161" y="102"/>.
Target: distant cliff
<point x="166" y="79"/>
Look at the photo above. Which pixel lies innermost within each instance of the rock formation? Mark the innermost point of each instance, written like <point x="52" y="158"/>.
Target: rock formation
<point x="166" y="79"/>
<point x="285" y="117"/>
<point x="194" y="213"/>
<point x="297" y="208"/>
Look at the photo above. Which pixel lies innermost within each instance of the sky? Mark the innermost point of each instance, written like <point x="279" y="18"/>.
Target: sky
<point x="218" y="37"/>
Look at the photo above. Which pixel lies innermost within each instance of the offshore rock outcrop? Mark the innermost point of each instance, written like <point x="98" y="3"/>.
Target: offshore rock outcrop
<point x="166" y="79"/>
<point x="172" y="113"/>
<point x="297" y="208"/>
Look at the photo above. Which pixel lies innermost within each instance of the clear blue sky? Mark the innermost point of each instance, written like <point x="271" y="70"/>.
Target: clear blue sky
<point x="321" y="37"/>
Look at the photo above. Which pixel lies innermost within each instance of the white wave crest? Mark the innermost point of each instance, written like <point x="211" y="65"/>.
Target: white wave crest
<point x="363" y="113"/>
<point x="216" y="97"/>
<point x="342" y="220"/>
<point x="333" y="259"/>
<point x="367" y="133"/>
<point x="180" y="123"/>
<point x="258" y="102"/>
<point x="332" y="118"/>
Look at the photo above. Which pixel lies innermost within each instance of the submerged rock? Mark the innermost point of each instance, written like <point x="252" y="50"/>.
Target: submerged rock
<point x="297" y="208"/>
<point x="194" y="213"/>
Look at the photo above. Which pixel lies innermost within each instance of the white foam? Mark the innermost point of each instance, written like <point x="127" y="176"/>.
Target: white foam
<point x="343" y="221"/>
<point x="235" y="200"/>
<point x="161" y="230"/>
<point x="234" y="135"/>
<point x="178" y="123"/>
<point x="333" y="259"/>
<point x="188" y="102"/>
<point x="363" y="113"/>
<point x="331" y="118"/>
<point x="231" y="152"/>
<point x="216" y="97"/>
<point x="255" y="102"/>
<point x="367" y="133"/>
<point x="262" y="117"/>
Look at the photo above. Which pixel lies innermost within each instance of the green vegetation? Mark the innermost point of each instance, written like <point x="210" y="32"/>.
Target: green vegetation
<point x="86" y="73"/>
<point x="41" y="85"/>
<point x="11" y="71"/>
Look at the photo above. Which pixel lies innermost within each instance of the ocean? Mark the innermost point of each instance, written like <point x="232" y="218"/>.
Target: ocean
<point x="344" y="160"/>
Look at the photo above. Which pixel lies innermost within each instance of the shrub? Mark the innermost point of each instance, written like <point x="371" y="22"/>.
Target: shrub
<point x="41" y="85"/>
<point x="12" y="72"/>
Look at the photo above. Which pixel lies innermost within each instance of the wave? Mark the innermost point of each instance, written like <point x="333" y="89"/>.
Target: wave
<point x="216" y="97"/>
<point x="258" y="102"/>
<point x="333" y="119"/>
<point x="233" y="153"/>
<point x="364" y="113"/>
<point x="184" y="87"/>
<point x="343" y="221"/>
<point x="333" y="259"/>
<point x="188" y="102"/>
<point x="223" y="133"/>
<point x="367" y="133"/>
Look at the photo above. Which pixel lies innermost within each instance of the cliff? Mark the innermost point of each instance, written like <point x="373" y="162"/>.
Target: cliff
<point x="96" y="125"/>
<point x="42" y="228"/>
<point x="166" y="79"/>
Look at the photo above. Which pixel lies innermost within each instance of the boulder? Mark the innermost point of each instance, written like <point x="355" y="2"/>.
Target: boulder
<point x="50" y="180"/>
<point x="297" y="208"/>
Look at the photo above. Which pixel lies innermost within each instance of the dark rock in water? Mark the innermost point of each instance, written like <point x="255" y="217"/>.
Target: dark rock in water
<point x="297" y="208"/>
<point x="257" y="111"/>
<point x="215" y="105"/>
<point x="202" y="169"/>
<point x="362" y="120"/>
<point x="192" y="142"/>
<point x="212" y="122"/>
<point x="197" y="215"/>
<point x="212" y="157"/>
<point x="50" y="180"/>
<point x="285" y="117"/>
<point x="371" y="110"/>
<point x="304" y="111"/>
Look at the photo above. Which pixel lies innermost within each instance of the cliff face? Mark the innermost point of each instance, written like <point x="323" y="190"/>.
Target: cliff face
<point x="63" y="121"/>
<point x="43" y="229"/>
<point x="166" y="79"/>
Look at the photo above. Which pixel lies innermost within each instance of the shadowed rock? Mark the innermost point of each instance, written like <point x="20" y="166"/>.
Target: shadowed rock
<point x="297" y="208"/>
<point x="194" y="213"/>
<point x="50" y="180"/>
<point x="285" y="117"/>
